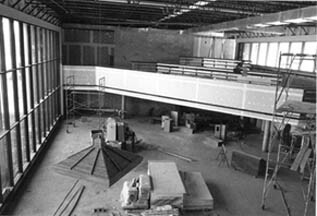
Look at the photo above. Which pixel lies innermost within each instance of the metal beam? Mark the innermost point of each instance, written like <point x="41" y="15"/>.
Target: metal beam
<point x="165" y="5"/>
<point x="23" y="17"/>
<point x="266" y="18"/>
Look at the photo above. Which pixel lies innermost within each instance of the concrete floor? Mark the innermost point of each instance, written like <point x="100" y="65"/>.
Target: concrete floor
<point x="234" y="193"/>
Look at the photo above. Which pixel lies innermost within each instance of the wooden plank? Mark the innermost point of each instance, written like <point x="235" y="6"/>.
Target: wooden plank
<point x="197" y="195"/>
<point x="167" y="185"/>
<point x="299" y="156"/>
<point x="298" y="107"/>
<point x="304" y="160"/>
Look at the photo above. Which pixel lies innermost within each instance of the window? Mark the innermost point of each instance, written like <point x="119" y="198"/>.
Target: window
<point x="262" y="54"/>
<point x="30" y="71"/>
<point x="296" y="48"/>
<point x="284" y="48"/>
<point x="272" y="57"/>
<point x="254" y="53"/>
<point x="309" y="65"/>
<point x="246" y="51"/>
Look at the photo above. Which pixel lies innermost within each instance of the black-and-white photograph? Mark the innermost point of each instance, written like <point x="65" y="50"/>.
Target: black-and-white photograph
<point x="158" y="108"/>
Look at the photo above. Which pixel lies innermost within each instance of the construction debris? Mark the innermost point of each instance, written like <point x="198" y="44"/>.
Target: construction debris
<point x="97" y="210"/>
<point x="166" y="210"/>
<point x="70" y="201"/>
<point x="176" y="155"/>
<point x="136" y="193"/>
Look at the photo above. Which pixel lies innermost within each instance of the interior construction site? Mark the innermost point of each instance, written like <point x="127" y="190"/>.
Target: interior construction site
<point x="158" y="108"/>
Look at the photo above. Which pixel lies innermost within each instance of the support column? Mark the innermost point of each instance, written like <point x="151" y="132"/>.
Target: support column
<point x="122" y="106"/>
<point x="266" y="136"/>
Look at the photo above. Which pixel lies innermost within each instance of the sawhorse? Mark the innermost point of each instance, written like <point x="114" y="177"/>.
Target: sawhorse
<point x="222" y="156"/>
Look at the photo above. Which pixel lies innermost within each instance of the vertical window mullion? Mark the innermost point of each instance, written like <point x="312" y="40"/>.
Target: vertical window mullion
<point x="15" y="98"/>
<point x="43" y="90"/>
<point x="59" y="85"/>
<point x="7" y="148"/>
<point x="48" y="89"/>
<point x="37" y="73"/>
<point x="55" y="75"/>
<point x="32" y="102"/>
<point x="52" y="78"/>
<point x="1" y="197"/>
<point x="25" y="102"/>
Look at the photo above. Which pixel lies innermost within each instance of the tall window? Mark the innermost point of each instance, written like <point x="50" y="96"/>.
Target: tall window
<point x="29" y="94"/>
<point x="268" y="53"/>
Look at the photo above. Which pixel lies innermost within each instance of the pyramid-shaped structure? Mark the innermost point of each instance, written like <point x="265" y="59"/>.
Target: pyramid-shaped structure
<point x="99" y="162"/>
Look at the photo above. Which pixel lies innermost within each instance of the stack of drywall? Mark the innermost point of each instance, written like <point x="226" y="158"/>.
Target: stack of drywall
<point x="167" y="185"/>
<point x="197" y="195"/>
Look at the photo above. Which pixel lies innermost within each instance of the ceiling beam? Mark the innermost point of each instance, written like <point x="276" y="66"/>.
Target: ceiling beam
<point x="23" y="17"/>
<point x="266" y="18"/>
<point x="178" y="6"/>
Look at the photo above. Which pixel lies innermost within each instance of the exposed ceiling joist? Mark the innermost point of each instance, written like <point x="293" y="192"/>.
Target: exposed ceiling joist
<point x="244" y="24"/>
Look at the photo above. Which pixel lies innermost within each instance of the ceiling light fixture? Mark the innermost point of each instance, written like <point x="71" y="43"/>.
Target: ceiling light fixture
<point x="201" y="3"/>
<point x="277" y="23"/>
<point x="312" y="18"/>
<point x="261" y="25"/>
<point x="298" y="20"/>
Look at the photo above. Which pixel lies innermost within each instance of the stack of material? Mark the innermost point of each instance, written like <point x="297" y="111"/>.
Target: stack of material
<point x="167" y="185"/>
<point x="161" y="211"/>
<point x="198" y="196"/>
<point x="144" y="189"/>
<point x="136" y="194"/>
<point x="302" y="156"/>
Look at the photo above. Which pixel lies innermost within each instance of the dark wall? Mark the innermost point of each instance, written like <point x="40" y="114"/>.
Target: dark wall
<point x="119" y="46"/>
<point x="150" y="45"/>
<point x="88" y="47"/>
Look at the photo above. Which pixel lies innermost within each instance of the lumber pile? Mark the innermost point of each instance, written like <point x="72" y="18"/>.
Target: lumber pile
<point x="167" y="185"/>
<point x="302" y="156"/>
<point x="197" y="195"/>
<point x="70" y="201"/>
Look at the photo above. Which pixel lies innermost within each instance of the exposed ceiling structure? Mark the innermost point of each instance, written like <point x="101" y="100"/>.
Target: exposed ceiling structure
<point x="167" y="14"/>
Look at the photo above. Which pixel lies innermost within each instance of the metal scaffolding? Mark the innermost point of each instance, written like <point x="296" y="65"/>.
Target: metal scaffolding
<point x="285" y="112"/>
<point x="70" y="102"/>
<point x="73" y="105"/>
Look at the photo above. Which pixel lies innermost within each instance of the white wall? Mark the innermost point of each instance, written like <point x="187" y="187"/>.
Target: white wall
<point x="214" y="47"/>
